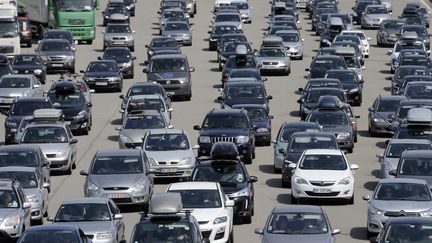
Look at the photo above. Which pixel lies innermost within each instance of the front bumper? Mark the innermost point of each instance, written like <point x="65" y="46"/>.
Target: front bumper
<point x="244" y="149"/>
<point x="345" y="143"/>
<point x="262" y="136"/>
<point x="36" y="211"/>
<point x="242" y="206"/>
<point x="215" y="233"/>
<point x="172" y="171"/>
<point x="375" y="222"/>
<point x="121" y="197"/>
<point x="60" y="164"/>
<point x="273" y="68"/>
<point x="381" y="127"/>
<point x="178" y="89"/>
<point x="309" y="191"/>
<point x="105" y="84"/>
<point x="371" y="23"/>
<point x="60" y="65"/>
<point x="114" y="43"/>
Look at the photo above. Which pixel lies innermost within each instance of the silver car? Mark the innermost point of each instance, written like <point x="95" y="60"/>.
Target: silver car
<point x="34" y="187"/>
<point x="388" y="32"/>
<point x="99" y="218"/>
<point x="14" y="86"/>
<point x="293" y="42"/>
<point x="58" y="54"/>
<point x="390" y="158"/>
<point x="274" y="59"/>
<point x="179" y="30"/>
<point x="170" y="14"/>
<point x="169" y="152"/>
<point x="245" y="10"/>
<point x="118" y="35"/>
<point x="373" y="15"/>
<point x="397" y="197"/>
<point x="147" y="102"/>
<point x="122" y="175"/>
<point x="54" y="138"/>
<point x="135" y="125"/>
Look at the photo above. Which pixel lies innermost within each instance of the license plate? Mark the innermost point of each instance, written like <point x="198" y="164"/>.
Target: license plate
<point x="57" y="65"/>
<point x="7" y="101"/>
<point x="168" y="170"/>
<point x="118" y="195"/>
<point x="322" y="190"/>
<point x="101" y="83"/>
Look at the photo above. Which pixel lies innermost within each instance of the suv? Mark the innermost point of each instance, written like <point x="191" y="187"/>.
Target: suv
<point x="118" y="34"/>
<point x="59" y="54"/>
<point x="103" y="74"/>
<point x="123" y="57"/>
<point x="227" y="125"/>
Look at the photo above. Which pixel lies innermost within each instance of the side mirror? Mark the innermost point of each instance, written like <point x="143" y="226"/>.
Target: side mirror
<point x="118" y="216"/>
<point x="133" y="31"/>
<point x="14" y="130"/>
<point x="99" y="58"/>
<point x="82" y="71"/>
<point x="170" y="110"/>
<point x="357" y="116"/>
<point x="371" y="109"/>
<point x="307" y="69"/>
<point x="363" y="67"/>
<point x="264" y="79"/>
<point x="133" y="58"/>
<point x="392" y="172"/>
<point x="197" y="127"/>
<point x="170" y="127"/>
<point x="36" y="86"/>
<point x="26" y="205"/>
<point x="121" y="97"/>
<point x="209" y="32"/>
<point x="387" y="142"/>
<point x="50" y="219"/>
<point x="195" y="147"/>
<point x="145" y="70"/>
<point x="336" y="231"/>
<point x="380" y="156"/>
<point x="389" y="52"/>
<point x="45" y="185"/>
<point x="302" y="40"/>
<point x="301" y="90"/>
<point x="84" y="173"/>
<point x="300" y="101"/>
<point x="219" y="98"/>
<point x="253" y="179"/>
<point x="259" y="231"/>
<point x="89" y="105"/>
<point x="354" y="167"/>
<point x="46" y="163"/>
<point x="118" y="128"/>
<point x="229" y="203"/>
<point x="366" y="197"/>
<point x="368" y="38"/>
<point x="270" y="117"/>
<point x="73" y="141"/>
<point x="273" y="141"/>
<point x="281" y="150"/>
<point x="269" y="97"/>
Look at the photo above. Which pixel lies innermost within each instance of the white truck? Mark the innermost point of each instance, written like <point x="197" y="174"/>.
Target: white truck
<point x="9" y="29"/>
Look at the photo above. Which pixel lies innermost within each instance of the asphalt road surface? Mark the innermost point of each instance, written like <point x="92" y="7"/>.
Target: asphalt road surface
<point x="351" y="219"/>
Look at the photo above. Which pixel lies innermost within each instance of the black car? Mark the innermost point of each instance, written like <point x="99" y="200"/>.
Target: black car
<point x="162" y="45"/>
<point x="328" y="37"/>
<point x="413" y="78"/>
<point x="401" y="72"/>
<point x="231" y="37"/>
<point x="30" y="64"/>
<point x="103" y="74"/>
<point x="61" y="34"/>
<point x="227" y="125"/>
<point x="309" y="101"/>
<point x="66" y="96"/>
<point x="245" y="93"/>
<point x="379" y="121"/>
<point x="261" y="119"/>
<point x="114" y="10"/>
<point x="422" y="33"/>
<point x="320" y="83"/>
<point x="217" y="32"/>
<point x="246" y="73"/>
<point x="123" y="57"/>
<point x="19" y="109"/>
<point x="237" y="62"/>
<point x="232" y="175"/>
<point x="229" y="49"/>
<point x="416" y="60"/>
<point x="352" y="85"/>
<point x="321" y="64"/>
<point x="5" y="67"/>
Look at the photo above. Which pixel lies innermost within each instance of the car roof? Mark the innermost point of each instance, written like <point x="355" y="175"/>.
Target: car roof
<point x="166" y="130"/>
<point x="137" y="84"/>
<point x="405" y="220"/>
<point x="300" y="124"/>
<point x="118" y="152"/>
<point x="297" y="209"/>
<point x="309" y="134"/>
<point x="102" y="61"/>
<point x="146" y="96"/>
<point x="168" y="56"/>
<point x="259" y="106"/>
<point x="226" y="111"/>
<point x="31" y="99"/>
<point x="417" y="154"/>
<point x="323" y="152"/>
<point x="193" y="185"/>
<point x="86" y="200"/>
<point x="18" y="148"/>
<point x="18" y="168"/>
<point x="322" y="88"/>
<point x="403" y="180"/>
<point x="329" y="56"/>
<point x="55" y="40"/>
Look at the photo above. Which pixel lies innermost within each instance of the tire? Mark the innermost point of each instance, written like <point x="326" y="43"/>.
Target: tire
<point x="29" y="44"/>
<point x="89" y="42"/>
<point x="246" y="220"/>
<point x="276" y="170"/>
<point x="73" y="166"/>
<point x="371" y="132"/>
<point x="132" y="48"/>
<point x="36" y="222"/>
<point x="85" y="131"/>
<point x="267" y="143"/>
<point x="248" y="159"/>
<point x="120" y="87"/>
<point x="294" y="200"/>
<point x="369" y="234"/>
<point x="355" y="138"/>
<point x="350" y="150"/>
<point x="69" y="170"/>
<point x="301" y="57"/>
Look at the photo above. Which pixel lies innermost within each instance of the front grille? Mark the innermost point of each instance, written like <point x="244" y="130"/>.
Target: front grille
<point x="122" y="200"/>
<point x="270" y="63"/>
<point x="50" y="155"/>
<point x="316" y="194"/>
<point x="119" y="38"/>
<point x="76" y="21"/>
<point x="203" y="222"/>
<point x="206" y="234"/>
<point x="322" y="183"/>
<point x="57" y="59"/>
<point x="178" y="173"/>
<point x="6" y="49"/>
<point x="168" y="163"/>
<point x="401" y="214"/>
<point x="223" y="139"/>
<point x="219" y="236"/>
<point x="90" y="237"/>
<point x="115" y="188"/>
<point x="169" y="82"/>
<point x="101" y="79"/>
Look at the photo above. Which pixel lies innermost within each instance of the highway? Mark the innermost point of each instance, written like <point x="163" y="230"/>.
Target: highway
<point x="351" y="219"/>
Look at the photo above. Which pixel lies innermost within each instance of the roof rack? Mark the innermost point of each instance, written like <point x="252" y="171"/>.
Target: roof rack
<point x="48" y="115"/>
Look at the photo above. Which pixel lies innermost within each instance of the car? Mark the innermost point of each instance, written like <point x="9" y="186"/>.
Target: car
<point x="347" y="20"/>
<point x="351" y="84"/>
<point x="228" y="125"/>
<point x="124" y="59"/>
<point x="387" y="33"/>
<point x="301" y="141"/>
<point x="274" y="60"/>
<point x="351" y="53"/>
<point x="225" y="167"/>
<point x="308" y="180"/>
<point x="238" y="61"/>
<point x="52" y="134"/>
<point x="171" y="14"/>
<point x="292" y="41"/>
<point x="408" y="41"/>
<point x="115" y="13"/>
<point x="130" y="5"/>
<point x="179" y="30"/>
<point x="245" y="74"/>
<point x="421" y="10"/>
<point x="209" y="205"/>
<point x="34" y="188"/>
<point x="118" y="34"/>
<point x="30" y="63"/>
<point x="320" y="83"/>
<point x="359" y="8"/>
<point x="393" y="196"/>
<point x="162" y="45"/>
<point x="251" y="92"/>
<point x="60" y="34"/>
<point x="297" y="222"/>
<point x="329" y="34"/>
<point x="414" y="164"/>
<point x="413" y="78"/>
<point x="416" y="60"/>
<point x="136" y="124"/>
<point x="99" y="218"/>
<point x="120" y="174"/>
<point x="74" y="106"/>
<point x="231" y="37"/>
<point x="320" y="24"/>
<point x="379" y="121"/>
<point x="13" y="86"/>
<point x="402" y="72"/>
<point x="103" y="74"/>
<point x="309" y="100"/>
<point x="173" y="72"/>
<point x="169" y="152"/>
<point x="229" y="18"/>
<point x="404" y="228"/>
<point x="54" y="233"/>
<point x="217" y="31"/>
<point x="326" y="8"/>
<point x="395" y="147"/>
<point x="58" y="55"/>
<point x="421" y="31"/>
<point x="245" y="10"/>
<point x="412" y="16"/>
<point x="147" y="102"/>
<point x="350" y="38"/>
<point x="373" y="15"/>
<point x="321" y="64"/>
<point x="229" y="48"/>
<point x="16" y="208"/>
<point x="145" y="88"/>
<point x="415" y="125"/>
<point x="418" y="90"/>
<point x="166" y="213"/>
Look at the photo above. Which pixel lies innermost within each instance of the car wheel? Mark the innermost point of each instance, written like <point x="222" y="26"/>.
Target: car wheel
<point x="355" y="138"/>
<point x="73" y="165"/>
<point x="369" y="234"/>
<point x="371" y="132"/>
<point x="248" y="159"/>
<point x="132" y="48"/>
<point x="36" y="222"/>
<point x="69" y="170"/>
<point x="276" y="170"/>
<point x="267" y="142"/>
<point x="301" y="57"/>
<point x="294" y="200"/>
<point x="29" y="44"/>
<point x="85" y="131"/>
<point x="350" y="149"/>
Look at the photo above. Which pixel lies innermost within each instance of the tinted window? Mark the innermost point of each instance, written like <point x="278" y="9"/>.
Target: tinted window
<point x="77" y="212"/>
<point x="200" y="198"/>
<point x="131" y="164"/>
<point x="323" y="162"/>
<point x="297" y="224"/>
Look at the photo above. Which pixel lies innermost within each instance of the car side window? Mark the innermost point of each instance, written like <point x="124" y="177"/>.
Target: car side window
<point x="21" y="195"/>
<point x="82" y="236"/>
<point x="113" y="208"/>
<point x="375" y="104"/>
<point x="69" y="132"/>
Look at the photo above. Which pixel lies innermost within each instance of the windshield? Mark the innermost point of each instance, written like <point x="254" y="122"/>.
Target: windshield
<point x="19" y="158"/>
<point x="168" y="65"/>
<point x="241" y="5"/>
<point x="118" y="55"/>
<point x="402" y="191"/>
<point x="170" y="229"/>
<point x="8" y="199"/>
<point x="144" y="90"/>
<point x="177" y="26"/>
<point x="256" y="114"/>
<point x="26" y="60"/>
<point x="400" y="47"/>
<point x="288" y="37"/>
<point x="118" y="28"/>
<point x="227" y="18"/>
<point x="66" y="100"/>
<point x="418" y="91"/>
<point x="27" y="108"/>
<point x="163" y="42"/>
<point x="415" y="132"/>
<point x="377" y="10"/>
<point x="146" y="104"/>
<point x="51" y="235"/>
<point x="393" y="25"/>
<point x="344" y="77"/>
<point x="274" y="52"/>
<point x="327" y="64"/>
<point x="200" y="198"/>
<point x="239" y="73"/>
<point x="388" y="105"/>
<point x="402" y="232"/>
<point x="246" y="91"/>
<point x="77" y="212"/>
<point x="55" y="46"/>
<point x="164" y="142"/>
<point x="26" y="179"/>
<point x="14" y="83"/>
<point x="102" y="67"/>
<point x="297" y="224"/>
<point x="396" y="149"/>
<point x="220" y="171"/>
<point x="329" y="118"/>
<point x="323" y="162"/>
<point x="417" y="60"/>
<point x="231" y="46"/>
<point x="144" y="122"/>
<point x="421" y="32"/>
<point x="300" y="143"/>
<point x="416" y="167"/>
<point x="226" y="121"/>
<point x="44" y="134"/>
<point x="314" y="94"/>
<point x="226" y="29"/>
<point x="75" y="5"/>
<point x="402" y="72"/>
<point x="127" y="164"/>
<point x="9" y="29"/>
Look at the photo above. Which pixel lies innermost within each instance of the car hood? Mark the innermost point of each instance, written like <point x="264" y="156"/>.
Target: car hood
<point x="29" y="192"/>
<point x="231" y="102"/>
<point x="336" y="129"/>
<point x="322" y="175"/>
<point x="391" y="32"/>
<point x="171" y="32"/>
<point x="135" y="134"/>
<point x="27" y="67"/>
<point x="57" y="53"/>
<point x="377" y="16"/>
<point x="12" y="92"/>
<point x="8" y="212"/>
<point x="232" y="187"/>
<point x="426" y="178"/>
<point x="110" y="180"/>
<point x="271" y="59"/>
<point x="224" y="132"/>
<point x="101" y="74"/>
<point x="307" y="238"/>
<point x="207" y="214"/>
<point x="383" y="115"/>
<point x="293" y="156"/>
<point x="90" y="228"/>
<point x="70" y="112"/>
<point x="392" y="161"/>
<point x="171" y="155"/>
<point x="167" y="75"/>
<point x="51" y="148"/>
<point x="408" y="206"/>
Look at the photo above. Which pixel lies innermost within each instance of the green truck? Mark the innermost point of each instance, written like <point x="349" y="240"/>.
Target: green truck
<point x="78" y="16"/>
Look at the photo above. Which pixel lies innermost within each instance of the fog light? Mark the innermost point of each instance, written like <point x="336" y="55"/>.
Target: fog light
<point x="346" y="192"/>
<point x="84" y="125"/>
<point x="220" y="230"/>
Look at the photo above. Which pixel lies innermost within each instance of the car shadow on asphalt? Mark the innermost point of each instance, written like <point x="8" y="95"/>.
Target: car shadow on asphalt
<point x="274" y="182"/>
<point x="213" y="61"/>
<point x="385" y="71"/>
<point x="217" y="86"/>
<point x="358" y="233"/>
<point x="370" y="185"/>
<point x="113" y="138"/>
<point x="214" y="69"/>
<point x="363" y="133"/>
<point x="284" y="198"/>
<point x="205" y="49"/>
<point x="376" y="173"/>
<point x="116" y="122"/>
<point x="381" y="144"/>
<point x="267" y="169"/>
<point x="294" y="113"/>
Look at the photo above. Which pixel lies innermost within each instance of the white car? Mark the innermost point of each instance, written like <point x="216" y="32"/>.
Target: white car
<point x="364" y="40"/>
<point x="322" y="173"/>
<point x="210" y="206"/>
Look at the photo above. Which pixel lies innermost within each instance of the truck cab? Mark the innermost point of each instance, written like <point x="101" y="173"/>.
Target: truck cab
<point x="10" y="43"/>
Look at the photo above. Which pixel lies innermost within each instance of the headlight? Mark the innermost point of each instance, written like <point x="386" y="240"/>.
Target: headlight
<point x="33" y="199"/>
<point x="282" y="64"/>
<point x="345" y="181"/>
<point x="299" y="180"/>
<point x="91" y="186"/>
<point x="37" y="71"/>
<point x="220" y="220"/>
<point x="344" y="135"/>
<point x="388" y="166"/>
<point x="12" y="221"/>
<point x="298" y="47"/>
<point x="354" y="14"/>
<point x="26" y="93"/>
<point x="104" y="235"/>
<point x="378" y="120"/>
<point x="242" y="193"/>
<point x="204" y="139"/>
<point x="242" y="139"/>
<point x="223" y="58"/>
<point x="89" y="78"/>
<point x="396" y="63"/>
<point x="61" y="154"/>
<point x="150" y="53"/>
<point x="183" y="81"/>
<point x="354" y="90"/>
<point x="263" y="129"/>
<point x="185" y="160"/>
<point x="152" y="161"/>
<point x="374" y="210"/>
<point x="11" y="124"/>
<point x="427" y="213"/>
<point x="128" y="64"/>
<point x="125" y="139"/>
<point x="81" y="115"/>
<point x="70" y="57"/>
<point x="140" y="185"/>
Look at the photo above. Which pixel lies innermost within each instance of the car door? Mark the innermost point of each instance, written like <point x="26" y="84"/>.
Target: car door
<point x="44" y="191"/>
<point x="118" y="223"/>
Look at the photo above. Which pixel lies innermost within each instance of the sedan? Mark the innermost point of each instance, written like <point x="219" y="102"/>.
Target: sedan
<point x="297" y="223"/>
<point x="352" y="85"/>
<point x="98" y="218"/>
<point x="387" y="34"/>
<point x="293" y="42"/>
<point x="179" y="30"/>
<point x="162" y="45"/>
<point x="30" y="64"/>
<point x="54" y="233"/>
<point x="122" y="175"/>
<point x="103" y="74"/>
<point x="58" y="54"/>
<point x="274" y="59"/>
<point x="373" y="15"/>
<point x="379" y="114"/>
<point x="409" y="229"/>
<point x="13" y="86"/>
<point x="123" y="57"/>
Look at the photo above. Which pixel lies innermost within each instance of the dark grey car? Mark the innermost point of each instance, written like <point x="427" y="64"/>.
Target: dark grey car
<point x="58" y="54"/>
<point x="416" y="164"/>
<point x="387" y="34"/>
<point x="379" y="114"/>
